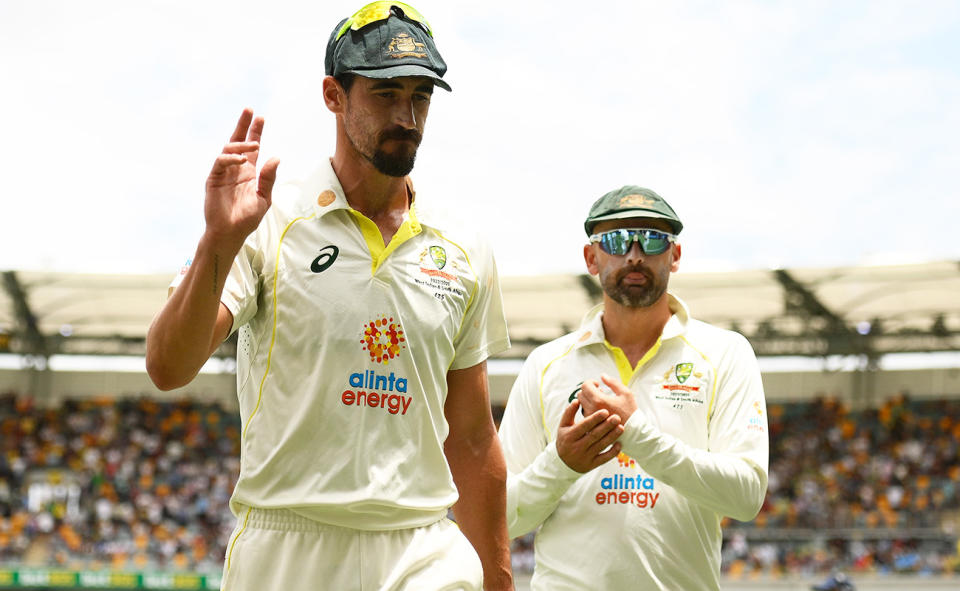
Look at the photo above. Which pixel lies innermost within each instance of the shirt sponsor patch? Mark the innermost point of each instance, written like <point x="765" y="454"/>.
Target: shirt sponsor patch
<point x="383" y="339"/>
<point x="756" y="420"/>
<point x="373" y="390"/>
<point x="628" y="488"/>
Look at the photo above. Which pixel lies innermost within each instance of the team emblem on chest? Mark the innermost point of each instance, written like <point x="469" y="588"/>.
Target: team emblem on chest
<point x="438" y="273"/>
<point x="682" y="383"/>
<point x="439" y="256"/>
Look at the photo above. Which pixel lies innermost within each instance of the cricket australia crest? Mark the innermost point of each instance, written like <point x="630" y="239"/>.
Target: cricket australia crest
<point x="403" y="45"/>
<point x="439" y="256"/>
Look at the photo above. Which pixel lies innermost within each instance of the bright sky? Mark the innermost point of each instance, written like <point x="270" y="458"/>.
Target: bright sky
<point x="804" y="133"/>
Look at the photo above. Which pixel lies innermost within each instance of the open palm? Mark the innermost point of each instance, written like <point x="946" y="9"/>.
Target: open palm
<point x="236" y="197"/>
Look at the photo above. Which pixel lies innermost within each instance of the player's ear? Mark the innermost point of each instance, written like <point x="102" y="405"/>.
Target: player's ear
<point x="334" y="96"/>
<point x="590" y="258"/>
<point x="675" y="265"/>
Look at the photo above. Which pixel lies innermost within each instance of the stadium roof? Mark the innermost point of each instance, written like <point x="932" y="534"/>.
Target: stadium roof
<point x="812" y="312"/>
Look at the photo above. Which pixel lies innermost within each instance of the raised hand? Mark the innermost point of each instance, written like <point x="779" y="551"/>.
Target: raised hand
<point x="620" y="402"/>
<point x="581" y="444"/>
<point x="237" y="198"/>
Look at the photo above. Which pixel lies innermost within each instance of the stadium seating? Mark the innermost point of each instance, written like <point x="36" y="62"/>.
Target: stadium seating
<point x="127" y="484"/>
<point x="135" y="483"/>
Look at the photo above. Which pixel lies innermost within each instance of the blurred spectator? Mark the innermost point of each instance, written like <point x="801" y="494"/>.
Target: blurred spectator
<point x="883" y="472"/>
<point x="137" y="483"/>
<point x="152" y="482"/>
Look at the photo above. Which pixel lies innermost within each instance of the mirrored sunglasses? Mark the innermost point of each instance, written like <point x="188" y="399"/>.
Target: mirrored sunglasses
<point x="618" y="242"/>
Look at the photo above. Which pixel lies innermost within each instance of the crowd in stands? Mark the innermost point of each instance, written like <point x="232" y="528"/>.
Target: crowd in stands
<point x="154" y="480"/>
<point x="138" y="484"/>
<point x="876" y="490"/>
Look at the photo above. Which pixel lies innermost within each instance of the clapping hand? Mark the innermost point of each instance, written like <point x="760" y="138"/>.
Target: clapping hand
<point x="619" y="401"/>
<point x="589" y="443"/>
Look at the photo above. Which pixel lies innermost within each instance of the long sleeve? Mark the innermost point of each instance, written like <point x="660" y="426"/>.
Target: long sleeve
<point x="536" y="476"/>
<point x="730" y="477"/>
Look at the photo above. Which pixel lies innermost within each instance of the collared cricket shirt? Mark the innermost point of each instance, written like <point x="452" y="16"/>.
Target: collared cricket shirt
<point x="343" y="351"/>
<point x="695" y="451"/>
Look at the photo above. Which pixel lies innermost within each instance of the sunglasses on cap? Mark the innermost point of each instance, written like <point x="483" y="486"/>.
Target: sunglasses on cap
<point x="619" y="241"/>
<point x="378" y="11"/>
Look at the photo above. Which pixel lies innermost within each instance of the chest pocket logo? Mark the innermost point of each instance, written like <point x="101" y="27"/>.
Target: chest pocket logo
<point x="328" y="254"/>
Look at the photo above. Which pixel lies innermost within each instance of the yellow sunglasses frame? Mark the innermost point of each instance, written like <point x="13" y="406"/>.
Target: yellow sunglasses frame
<point x="378" y="11"/>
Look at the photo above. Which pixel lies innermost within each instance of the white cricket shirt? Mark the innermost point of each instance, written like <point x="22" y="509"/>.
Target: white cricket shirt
<point x="696" y="450"/>
<point x="344" y="348"/>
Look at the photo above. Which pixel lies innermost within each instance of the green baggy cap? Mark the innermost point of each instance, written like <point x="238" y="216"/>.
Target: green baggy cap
<point x="389" y="48"/>
<point x="631" y="201"/>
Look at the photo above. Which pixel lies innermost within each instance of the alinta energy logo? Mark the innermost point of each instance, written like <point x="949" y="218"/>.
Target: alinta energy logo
<point x="382" y="339"/>
<point x="628" y="488"/>
<point x="757" y="421"/>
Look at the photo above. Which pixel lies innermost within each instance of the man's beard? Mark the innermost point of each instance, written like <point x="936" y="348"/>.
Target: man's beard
<point x="635" y="296"/>
<point x="399" y="163"/>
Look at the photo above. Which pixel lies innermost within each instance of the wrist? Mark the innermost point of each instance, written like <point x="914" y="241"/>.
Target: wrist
<point x="637" y="432"/>
<point x="557" y="467"/>
<point x="224" y="246"/>
<point x="501" y="579"/>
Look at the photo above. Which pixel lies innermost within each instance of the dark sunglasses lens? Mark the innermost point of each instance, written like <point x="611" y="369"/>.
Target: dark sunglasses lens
<point x="615" y="242"/>
<point x="654" y="242"/>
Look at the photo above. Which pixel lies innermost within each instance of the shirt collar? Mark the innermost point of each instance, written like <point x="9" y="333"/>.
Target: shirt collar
<point x="591" y="328"/>
<point x="323" y="193"/>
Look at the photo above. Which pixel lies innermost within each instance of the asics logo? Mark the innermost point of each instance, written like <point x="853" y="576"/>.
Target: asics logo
<point x="328" y="254"/>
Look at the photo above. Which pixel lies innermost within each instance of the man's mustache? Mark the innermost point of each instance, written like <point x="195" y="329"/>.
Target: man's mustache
<point x="399" y="133"/>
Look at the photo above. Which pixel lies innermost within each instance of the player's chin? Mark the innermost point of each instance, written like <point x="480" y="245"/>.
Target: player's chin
<point x="634" y="289"/>
<point x="393" y="164"/>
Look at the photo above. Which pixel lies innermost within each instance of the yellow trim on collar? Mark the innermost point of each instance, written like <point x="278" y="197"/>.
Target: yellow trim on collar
<point x="374" y="239"/>
<point x="623" y="364"/>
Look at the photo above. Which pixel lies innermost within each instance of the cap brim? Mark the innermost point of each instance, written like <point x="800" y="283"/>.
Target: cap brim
<point x="401" y="71"/>
<point x="636" y="213"/>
